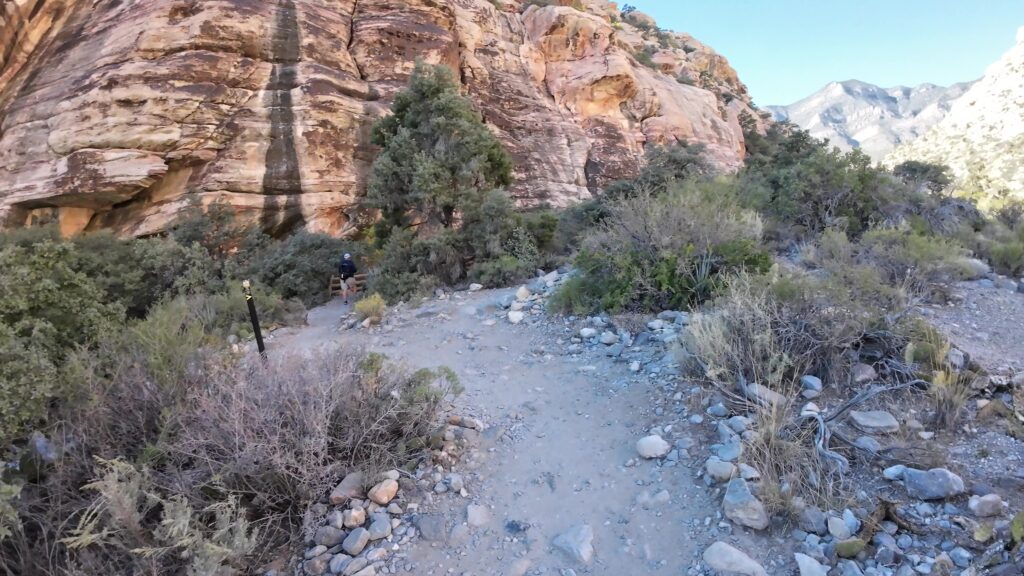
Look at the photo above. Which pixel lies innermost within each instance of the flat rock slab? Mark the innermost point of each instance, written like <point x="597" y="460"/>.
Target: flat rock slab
<point x="875" y="421"/>
<point x="935" y="484"/>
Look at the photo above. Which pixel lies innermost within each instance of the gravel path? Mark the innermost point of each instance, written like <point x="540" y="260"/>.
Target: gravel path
<point x="559" y="451"/>
<point x="987" y="322"/>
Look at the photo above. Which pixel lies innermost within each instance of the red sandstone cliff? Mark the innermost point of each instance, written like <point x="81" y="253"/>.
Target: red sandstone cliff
<point x="120" y="113"/>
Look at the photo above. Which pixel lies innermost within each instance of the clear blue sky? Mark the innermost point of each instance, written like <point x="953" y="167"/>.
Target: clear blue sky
<point x="784" y="50"/>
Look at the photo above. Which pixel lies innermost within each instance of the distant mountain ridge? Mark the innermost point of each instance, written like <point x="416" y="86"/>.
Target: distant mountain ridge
<point x="982" y="137"/>
<point x="855" y="114"/>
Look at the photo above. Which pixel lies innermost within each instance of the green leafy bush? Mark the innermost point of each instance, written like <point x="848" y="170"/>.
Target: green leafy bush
<point x="665" y="251"/>
<point x="664" y="167"/>
<point x="28" y="382"/>
<point x="644" y="57"/>
<point x="297" y="266"/>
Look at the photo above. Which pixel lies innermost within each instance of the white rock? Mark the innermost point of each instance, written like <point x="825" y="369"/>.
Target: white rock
<point x="838" y="528"/>
<point x="577" y="543"/>
<point x="875" y="421"/>
<point x="809" y="566"/>
<point x="476" y="287"/>
<point x="765" y="395"/>
<point x="652" y="446"/>
<point x="587" y="333"/>
<point x="523" y="294"/>
<point x="726" y="559"/>
<point x="515" y="316"/>
<point x="985" y="506"/>
<point x="609" y="338"/>
<point x="719" y="471"/>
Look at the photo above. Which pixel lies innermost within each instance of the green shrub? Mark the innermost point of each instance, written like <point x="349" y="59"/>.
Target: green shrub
<point x="644" y="57"/>
<point x="802" y="186"/>
<point x="917" y="259"/>
<point x="28" y="383"/>
<point x="665" y="251"/>
<point x="297" y="266"/>
<point x="1008" y="257"/>
<point x="500" y="272"/>
<point x="664" y="167"/>
<point x="9" y="521"/>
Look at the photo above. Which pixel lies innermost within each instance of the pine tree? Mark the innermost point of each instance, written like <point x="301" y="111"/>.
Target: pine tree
<point x="438" y="160"/>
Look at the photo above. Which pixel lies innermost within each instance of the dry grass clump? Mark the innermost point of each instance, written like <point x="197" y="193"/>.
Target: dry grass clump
<point x="949" y="388"/>
<point x="771" y="330"/>
<point x="177" y="459"/>
<point x="789" y="464"/>
<point x="372" y="307"/>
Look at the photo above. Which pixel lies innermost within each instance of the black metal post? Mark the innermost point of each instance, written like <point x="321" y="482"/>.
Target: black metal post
<point x="247" y="289"/>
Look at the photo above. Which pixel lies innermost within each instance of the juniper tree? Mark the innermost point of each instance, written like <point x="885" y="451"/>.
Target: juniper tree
<point x="438" y="160"/>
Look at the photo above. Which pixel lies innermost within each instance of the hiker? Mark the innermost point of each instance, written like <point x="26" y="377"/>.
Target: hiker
<point x="347" y="271"/>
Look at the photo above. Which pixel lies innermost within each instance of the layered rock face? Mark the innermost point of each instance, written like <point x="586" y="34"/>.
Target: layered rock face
<point x="982" y="137"/>
<point x="122" y="114"/>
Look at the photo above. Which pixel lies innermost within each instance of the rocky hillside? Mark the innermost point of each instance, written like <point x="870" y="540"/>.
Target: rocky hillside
<point x="855" y="114"/>
<point x="119" y="114"/>
<point x="982" y="137"/>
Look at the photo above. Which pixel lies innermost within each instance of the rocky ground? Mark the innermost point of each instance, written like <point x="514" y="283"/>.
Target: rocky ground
<point x="578" y="448"/>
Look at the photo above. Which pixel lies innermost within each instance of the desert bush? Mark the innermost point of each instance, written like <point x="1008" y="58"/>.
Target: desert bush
<point x="502" y="271"/>
<point x="792" y="471"/>
<point x="44" y="299"/>
<point x="664" y="251"/>
<point x="296" y="266"/>
<point x="372" y="307"/>
<point x="9" y="522"/>
<point x="664" y="167"/>
<point x="210" y="539"/>
<point x="923" y="176"/>
<point x="179" y="454"/>
<point x="909" y="257"/>
<point x="28" y="383"/>
<point x="802" y="187"/>
<point x="644" y="57"/>
<point x="1008" y="257"/>
<point x="743" y="339"/>
<point x="772" y="329"/>
<point x="948" y="388"/>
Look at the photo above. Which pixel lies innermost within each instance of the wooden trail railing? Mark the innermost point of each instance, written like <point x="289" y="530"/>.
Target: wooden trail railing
<point x="334" y="288"/>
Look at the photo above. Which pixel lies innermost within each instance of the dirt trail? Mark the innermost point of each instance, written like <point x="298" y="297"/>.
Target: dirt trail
<point x="559" y="450"/>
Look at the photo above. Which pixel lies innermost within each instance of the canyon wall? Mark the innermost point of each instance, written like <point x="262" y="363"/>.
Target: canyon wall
<point x="122" y="114"/>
